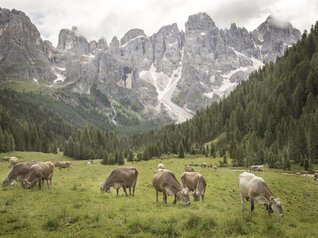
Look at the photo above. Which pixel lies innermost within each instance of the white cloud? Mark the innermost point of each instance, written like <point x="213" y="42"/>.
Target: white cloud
<point x="108" y="18"/>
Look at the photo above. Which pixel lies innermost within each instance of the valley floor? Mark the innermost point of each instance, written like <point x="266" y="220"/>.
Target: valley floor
<point x="74" y="206"/>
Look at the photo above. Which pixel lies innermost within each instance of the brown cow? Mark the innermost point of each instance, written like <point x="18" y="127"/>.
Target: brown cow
<point x="12" y="161"/>
<point x="165" y="181"/>
<point x="256" y="168"/>
<point x="196" y="183"/>
<point x="63" y="165"/>
<point x="122" y="177"/>
<point x="17" y="173"/>
<point x="38" y="173"/>
<point x="188" y="168"/>
<point x="254" y="188"/>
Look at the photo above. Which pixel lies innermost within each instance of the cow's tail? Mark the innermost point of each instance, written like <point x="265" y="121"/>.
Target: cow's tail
<point x="134" y="184"/>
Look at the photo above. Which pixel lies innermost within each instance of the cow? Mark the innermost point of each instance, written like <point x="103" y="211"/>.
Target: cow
<point x="124" y="177"/>
<point x="12" y="161"/>
<point x="254" y="188"/>
<point x="195" y="182"/>
<point x="17" y="173"/>
<point x="165" y="181"/>
<point x="188" y="168"/>
<point x="160" y="166"/>
<point x="203" y="165"/>
<point x="316" y="177"/>
<point x="215" y="167"/>
<point x="63" y="165"/>
<point x="38" y="173"/>
<point x="256" y="168"/>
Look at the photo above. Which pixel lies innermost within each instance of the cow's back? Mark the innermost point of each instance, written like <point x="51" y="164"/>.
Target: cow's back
<point x="124" y="176"/>
<point x="250" y="183"/>
<point x="165" y="181"/>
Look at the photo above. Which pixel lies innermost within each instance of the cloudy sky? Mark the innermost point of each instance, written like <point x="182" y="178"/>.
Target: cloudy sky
<point x="108" y="18"/>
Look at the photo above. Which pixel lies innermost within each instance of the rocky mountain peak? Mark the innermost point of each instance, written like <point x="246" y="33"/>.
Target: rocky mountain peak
<point x="132" y="34"/>
<point x="200" y="21"/>
<point x="21" y="48"/>
<point x="70" y="40"/>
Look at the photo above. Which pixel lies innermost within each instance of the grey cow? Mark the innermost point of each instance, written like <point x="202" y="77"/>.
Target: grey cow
<point x="122" y="177"/>
<point x="165" y="181"/>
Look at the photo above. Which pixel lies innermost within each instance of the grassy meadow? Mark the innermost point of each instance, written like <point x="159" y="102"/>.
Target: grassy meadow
<point x="74" y="206"/>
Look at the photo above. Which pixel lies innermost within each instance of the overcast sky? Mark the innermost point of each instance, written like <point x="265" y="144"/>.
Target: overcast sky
<point x="108" y="18"/>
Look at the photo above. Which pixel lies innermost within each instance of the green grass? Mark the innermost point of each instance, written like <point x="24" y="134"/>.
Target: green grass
<point x="74" y="207"/>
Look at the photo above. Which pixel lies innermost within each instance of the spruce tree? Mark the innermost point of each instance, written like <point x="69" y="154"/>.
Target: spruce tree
<point x="181" y="151"/>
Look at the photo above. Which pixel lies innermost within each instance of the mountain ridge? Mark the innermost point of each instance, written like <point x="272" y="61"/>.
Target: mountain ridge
<point x="171" y="72"/>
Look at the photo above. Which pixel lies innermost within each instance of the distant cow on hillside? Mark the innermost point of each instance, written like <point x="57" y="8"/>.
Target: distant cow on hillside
<point x="63" y="165"/>
<point x="11" y="160"/>
<point x="188" y="168"/>
<point x="256" y="168"/>
<point x="122" y="177"/>
<point x="254" y="188"/>
<point x="160" y="166"/>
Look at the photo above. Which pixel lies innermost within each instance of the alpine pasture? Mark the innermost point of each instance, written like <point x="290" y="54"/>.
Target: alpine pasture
<point x="75" y="207"/>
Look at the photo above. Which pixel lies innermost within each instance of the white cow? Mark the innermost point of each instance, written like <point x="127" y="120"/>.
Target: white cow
<point x="254" y="188"/>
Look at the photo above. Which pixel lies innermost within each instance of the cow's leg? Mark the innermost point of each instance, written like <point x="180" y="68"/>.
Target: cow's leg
<point x="252" y="204"/>
<point x="40" y="182"/>
<point x="125" y="191"/>
<point x="156" y="195"/>
<point x="134" y="190"/>
<point x="164" y="198"/>
<point x="242" y="202"/>
<point x="175" y="199"/>
<point x="117" y="192"/>
<point x="129" y="191"/>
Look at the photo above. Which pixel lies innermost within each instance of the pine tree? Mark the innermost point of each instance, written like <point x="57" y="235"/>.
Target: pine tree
<point x="130" y="156"/>
<point x="313" y="140"/>
<point x="181" y="151"/>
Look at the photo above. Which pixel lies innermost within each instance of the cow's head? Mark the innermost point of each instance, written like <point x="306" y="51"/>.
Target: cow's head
<point x="104" y="188"/>
<point x="183" y="195"/>
<point x="275" y="205"/>
<point x="196" y="195"/>
<point x="26" y="184"/>
<point x="6" y="182"/>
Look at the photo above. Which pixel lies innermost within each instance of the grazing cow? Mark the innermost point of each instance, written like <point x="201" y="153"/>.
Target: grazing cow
<point x="38" y="173"/>
<point x="215" y="167"/>
<point x="63" y="165"/>
<point x="122" y="177"/>
<point x="196" y="183"/>
<point x="12" y="161"/>
<point x="254" y="188"/>
<point x="165" y="181"/>
<point x="316" y="177"/>
<point x="256" y="168"/>
<point x="203" y="165"/>
<point x="17" y="173"/>
<point x="160" y="166"/>
<point x="188" y="168"/>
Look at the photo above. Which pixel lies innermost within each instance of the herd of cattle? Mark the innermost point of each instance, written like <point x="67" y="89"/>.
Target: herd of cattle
<point x="251" y="187"/>
<point x="31" y="173"/>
